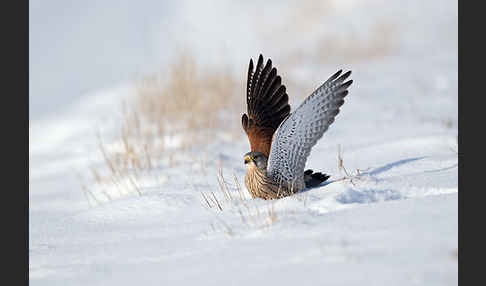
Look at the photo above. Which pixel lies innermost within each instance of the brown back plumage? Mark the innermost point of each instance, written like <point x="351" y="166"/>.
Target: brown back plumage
<point x="267" y="105"/>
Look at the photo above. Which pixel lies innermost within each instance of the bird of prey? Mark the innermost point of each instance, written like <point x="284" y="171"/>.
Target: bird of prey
<point x="280" y="140"/>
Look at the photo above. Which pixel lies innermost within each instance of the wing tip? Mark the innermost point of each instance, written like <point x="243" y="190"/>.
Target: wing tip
<point x="344" y="76"/>
<point x="347" y="84"/>
<point x="338" y="77"/>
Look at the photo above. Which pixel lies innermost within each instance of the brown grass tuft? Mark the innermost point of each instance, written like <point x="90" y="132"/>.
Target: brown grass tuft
<point x="229" y="194"/>
<point x="192" y="99"/>
<point x="183" y="107"/>
<point x="231" y="197"/>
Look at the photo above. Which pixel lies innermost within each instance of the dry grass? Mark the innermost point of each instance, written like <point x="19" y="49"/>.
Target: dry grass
<point x="231" y="197"/>
<point x="122" y="165"/>
<point x="192" y="99"/>
<point x="251" y="217"/>
<point x="183" y="107"/>
<point x="347" y="176"/>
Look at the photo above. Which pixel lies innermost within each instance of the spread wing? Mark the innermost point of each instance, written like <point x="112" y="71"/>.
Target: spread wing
<point x="267" y="105"/>
<point x="300" y="131"/>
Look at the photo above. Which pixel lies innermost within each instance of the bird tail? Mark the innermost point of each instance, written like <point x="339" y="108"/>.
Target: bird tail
<point x="313" y="179"/>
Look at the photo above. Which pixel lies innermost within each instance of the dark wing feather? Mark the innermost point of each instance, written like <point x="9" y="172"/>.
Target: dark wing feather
<point x="267" y="105"/>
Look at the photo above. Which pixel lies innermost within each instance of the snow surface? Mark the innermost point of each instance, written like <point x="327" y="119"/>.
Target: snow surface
<point x="394" y="225"/>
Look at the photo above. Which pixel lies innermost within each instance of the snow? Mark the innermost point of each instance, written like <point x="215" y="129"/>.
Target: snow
<point x="394" y="224"/>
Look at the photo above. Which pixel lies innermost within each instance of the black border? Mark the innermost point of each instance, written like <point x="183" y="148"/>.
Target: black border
<point x="15" y="121"/>
<point x="470" y="97"/>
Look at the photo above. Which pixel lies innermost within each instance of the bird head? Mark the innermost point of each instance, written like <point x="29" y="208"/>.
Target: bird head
<point x="257" y="159"/>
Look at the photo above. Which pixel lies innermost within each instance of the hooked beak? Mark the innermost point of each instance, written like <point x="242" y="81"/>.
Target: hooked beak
<point x="248" y="159"/>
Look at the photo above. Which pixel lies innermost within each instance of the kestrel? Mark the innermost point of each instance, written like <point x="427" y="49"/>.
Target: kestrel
<point x="281" y="140"/>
